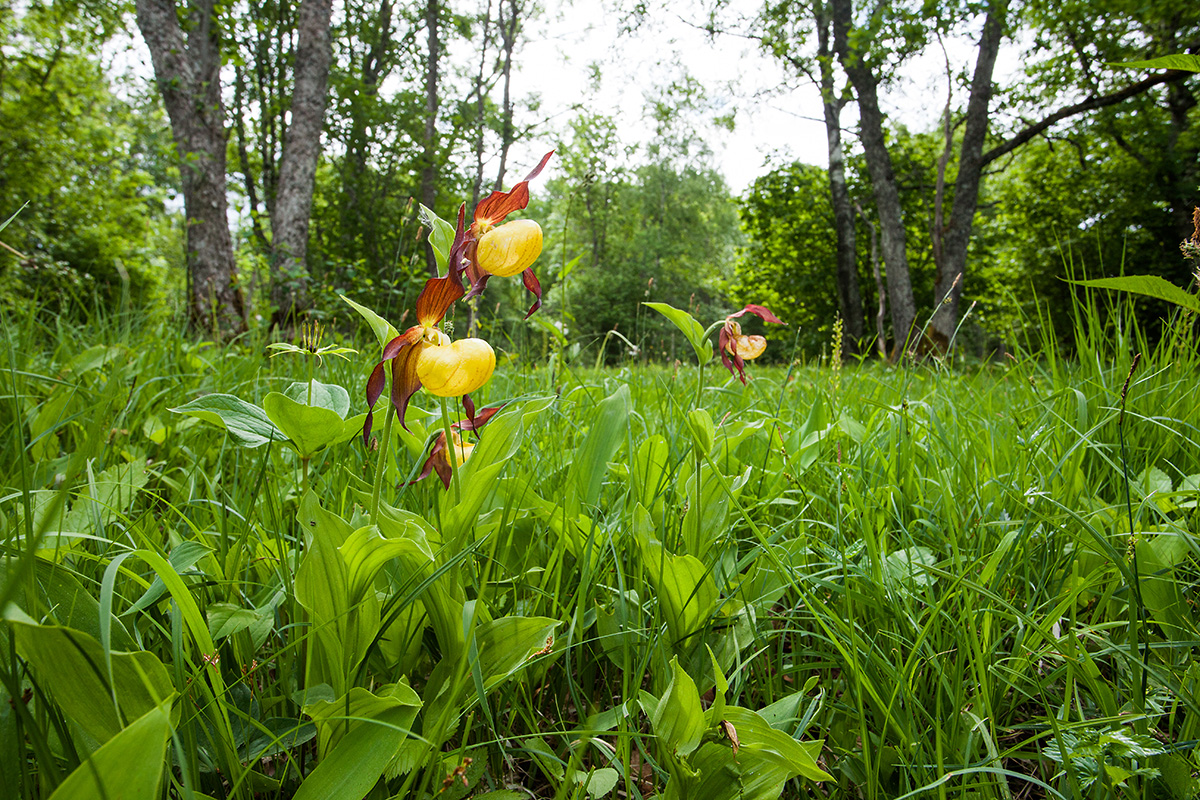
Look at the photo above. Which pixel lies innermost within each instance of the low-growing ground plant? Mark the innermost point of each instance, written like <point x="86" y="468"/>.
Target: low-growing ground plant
<point x="228" y="574"/>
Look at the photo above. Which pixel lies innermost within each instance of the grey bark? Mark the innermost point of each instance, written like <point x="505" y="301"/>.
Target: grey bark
<point x="849" y="297"/>
<point x="187" y="70"/>
<point x="893" y="238"/>
<point x="508" y="42"/>
<point x="951" y="241"/>
<point x="298" y="165"/>
<point x="429" y="169"/>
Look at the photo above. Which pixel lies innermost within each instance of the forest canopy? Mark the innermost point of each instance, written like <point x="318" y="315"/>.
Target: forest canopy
<point x="268" y="157"/>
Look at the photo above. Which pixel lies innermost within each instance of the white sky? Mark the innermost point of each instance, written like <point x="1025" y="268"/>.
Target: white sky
<point x="778" y="117"/>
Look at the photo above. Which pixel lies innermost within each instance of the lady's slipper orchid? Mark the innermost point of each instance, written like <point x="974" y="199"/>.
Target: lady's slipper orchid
<point x="738" y="348"/>
<point x="440" y="455"/>
<point x="424" y="355"/>
<point x="506" y="249"/>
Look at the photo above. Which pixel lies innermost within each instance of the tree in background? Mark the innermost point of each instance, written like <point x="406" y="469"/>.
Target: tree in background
<point x="86" y="168"/>
<point x="187" y="66"/>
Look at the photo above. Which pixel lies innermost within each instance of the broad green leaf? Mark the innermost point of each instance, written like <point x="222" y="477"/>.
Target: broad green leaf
<point x="384" y="330"/>
<point x="357" y="761"/>
<point x="1148" y="285"/>
<point x="325" y="395"/>
<point x="441" y="236"/>
<point x="598" y="782"/>
<point x="686" y="593"/>
<point x="310" y="428"/>
<point x="650" y="468"/>
<point x="71" y="664"/>
<point x="609" y="428"/>
<point x="700" y="423"/>
<point x="679" y="720"/>
<point x="60" y="596"/>
<point x="322" y="588"/>
<point x="127" y="767"/>
<point x="693" y="330"/>
<point x="1182" y="62"/>
<point x="506" y="644"/>
<point x="335" y="718"/>
<point x="247" y="423"/>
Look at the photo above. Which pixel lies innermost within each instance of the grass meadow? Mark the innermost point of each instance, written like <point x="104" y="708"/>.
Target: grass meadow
<point x="933" y="580"/>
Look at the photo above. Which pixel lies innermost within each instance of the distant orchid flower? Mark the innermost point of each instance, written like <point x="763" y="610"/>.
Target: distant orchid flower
<point x="505" y="249"/>
<point x="737" y="348"/>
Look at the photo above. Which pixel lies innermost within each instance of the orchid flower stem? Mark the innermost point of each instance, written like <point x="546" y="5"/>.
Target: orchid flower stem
<point x="381" y="464"/>
<point x="451" y="449"/>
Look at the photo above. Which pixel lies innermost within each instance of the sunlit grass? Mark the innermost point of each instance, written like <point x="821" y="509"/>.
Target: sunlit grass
<point x="935" y="562"/>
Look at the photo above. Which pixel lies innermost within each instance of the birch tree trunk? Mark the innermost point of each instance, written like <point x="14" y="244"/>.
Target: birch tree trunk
<point x="187" y="71"/>
<point x="892" y="236"/>
<point x="429" y="168"/>
<point x="849" y="297"/>
<point x="298" y="166"/>
<point x="951" y="241"/>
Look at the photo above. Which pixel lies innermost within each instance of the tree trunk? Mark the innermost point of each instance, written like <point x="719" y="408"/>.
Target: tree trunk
<point x="298" y="166"/>
<point x="508" y="37"/>
<point x="480" y="92"/>
<point x="893" y="238"/>
<point x="953" y="240"/>
<point x="188" y="76"/>
<point x="849" y="297"/>
<point x="429" y="169"/>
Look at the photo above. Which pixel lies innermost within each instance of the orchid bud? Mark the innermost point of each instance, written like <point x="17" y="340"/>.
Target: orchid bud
<point x="510" y="248"/>
<point x="457" y="368"/>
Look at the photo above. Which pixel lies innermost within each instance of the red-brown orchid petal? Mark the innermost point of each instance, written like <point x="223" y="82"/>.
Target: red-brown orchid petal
<point x="460" y="250"/>
<point x="476" y="421"/>
<point x="477" y="277"/>
<point x="469" y="407"/>
<point x="535" y="288"/>
<point x="375" y="385"/>
<point x="498" y="205"/>
<point x="728" y="348"/>
<point x="762" y="312"/>
<point x="405" y="382"/>
<point x="376" y="381"/>
<point x="427" y="467"/>
<point x="436" y="298"/>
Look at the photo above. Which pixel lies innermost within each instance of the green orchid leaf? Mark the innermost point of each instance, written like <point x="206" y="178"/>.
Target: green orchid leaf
<point x="441" y="236"/>
<point x="309" y="428"/>
<point x="678" y="719"/>
<point x="352" y="767"/>
<point x="1147" y="285"/>
<point x="325" y="395"/>
<point x="384" y="330"/>
<point x="506" y="644"/>
<point x="246" y="423"/>
<point x="1180" y="61"/>
<point x="128" y="765"/>
<point x="72" y="665"/>
<point x="692" y="329"/>
<point x="609" y="429"/>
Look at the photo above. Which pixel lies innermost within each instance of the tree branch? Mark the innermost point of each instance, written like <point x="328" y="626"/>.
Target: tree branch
<point x="1091" y="104"/>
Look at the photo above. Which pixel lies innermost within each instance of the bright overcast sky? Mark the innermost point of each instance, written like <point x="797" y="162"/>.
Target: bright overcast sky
<point x="778" y="118"/>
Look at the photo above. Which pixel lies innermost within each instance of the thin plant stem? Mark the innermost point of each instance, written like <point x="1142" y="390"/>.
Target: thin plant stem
<point x="381" y="463"/>
<point x="450" y="449"/>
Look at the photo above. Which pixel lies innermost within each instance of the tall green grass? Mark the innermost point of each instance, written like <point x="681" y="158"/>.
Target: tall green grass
<point x="968" y="582"/>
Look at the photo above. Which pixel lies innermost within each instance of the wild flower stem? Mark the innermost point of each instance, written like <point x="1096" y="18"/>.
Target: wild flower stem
<point x="381" y="463"/>
<point x="450" y="449"/>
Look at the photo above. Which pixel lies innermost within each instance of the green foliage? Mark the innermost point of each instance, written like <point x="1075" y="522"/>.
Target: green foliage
<point x="87" y="165"/>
